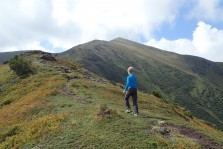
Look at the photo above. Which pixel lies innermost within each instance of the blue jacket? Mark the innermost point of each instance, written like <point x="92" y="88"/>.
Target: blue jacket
<point x="131" y="81"/>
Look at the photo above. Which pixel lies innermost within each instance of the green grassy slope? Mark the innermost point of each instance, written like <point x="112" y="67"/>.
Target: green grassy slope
<point x="190" y="81"/>
<point x="206" y="69"/>
<point x="63" y="105"/>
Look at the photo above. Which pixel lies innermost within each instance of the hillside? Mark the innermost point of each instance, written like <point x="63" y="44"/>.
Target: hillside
<point x="64" y="105"/>
<point x="192" y="82"/>
<point x="5" y="56"/>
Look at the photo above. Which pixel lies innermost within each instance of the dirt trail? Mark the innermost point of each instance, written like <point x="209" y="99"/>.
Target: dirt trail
<point x="189" y="133"/>
<point x="66" y="89"/>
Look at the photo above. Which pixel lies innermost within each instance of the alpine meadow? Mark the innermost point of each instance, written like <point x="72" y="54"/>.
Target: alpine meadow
<point x="74" y="99"/>
<point x="191" y="82"/>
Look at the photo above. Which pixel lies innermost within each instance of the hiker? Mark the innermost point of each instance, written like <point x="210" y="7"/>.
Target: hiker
<point x="130" y="90"/>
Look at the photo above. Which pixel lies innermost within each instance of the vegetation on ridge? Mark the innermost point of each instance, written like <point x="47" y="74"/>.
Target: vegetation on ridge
<point x="19" y="66"/>
<point x="192" y="82"/>
<point x="64" y="105"/>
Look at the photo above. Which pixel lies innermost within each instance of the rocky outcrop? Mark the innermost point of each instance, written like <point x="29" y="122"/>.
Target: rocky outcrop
<point x="48" y="57"/>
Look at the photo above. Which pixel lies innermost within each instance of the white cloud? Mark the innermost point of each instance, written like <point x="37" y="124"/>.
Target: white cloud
<point x="34" y="45"/>
<point x="27" y="24"/>
<point x="207" y="42"/>
<point x="182" y="46"/>
<point x="208" y="10"/>
<point x="65" y="23"/>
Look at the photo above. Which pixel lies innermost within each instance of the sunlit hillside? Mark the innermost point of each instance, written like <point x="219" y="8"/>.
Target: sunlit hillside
<point x="192" y="82"/>
<point x="64" y="105"/>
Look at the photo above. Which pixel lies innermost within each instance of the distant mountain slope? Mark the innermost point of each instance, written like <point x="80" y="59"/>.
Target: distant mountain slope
<point x="64" y="105"/>
<point x="5" y="56"/>
<point x="206" y="69"/>
<point x="191" y="81"/>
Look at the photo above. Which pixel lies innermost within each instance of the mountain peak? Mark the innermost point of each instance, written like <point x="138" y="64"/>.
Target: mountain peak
<point x="122" y="39"/>
<point x="119" y="38"/>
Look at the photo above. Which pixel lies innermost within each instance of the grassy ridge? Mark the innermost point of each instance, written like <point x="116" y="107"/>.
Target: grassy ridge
<point x="77" y="109"/>
<point x="22" y="103"/>
<point x="192" y="82"/>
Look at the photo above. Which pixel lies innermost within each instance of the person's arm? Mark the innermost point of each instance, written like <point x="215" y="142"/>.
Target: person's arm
<point x="127" y="83"/>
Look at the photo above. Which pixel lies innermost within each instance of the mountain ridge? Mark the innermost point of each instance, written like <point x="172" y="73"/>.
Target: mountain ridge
<point x="5" y="56"/>
<point x="190" y="81"/>
<point x="64" y="105"/>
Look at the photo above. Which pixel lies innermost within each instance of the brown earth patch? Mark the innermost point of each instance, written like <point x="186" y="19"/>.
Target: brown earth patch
<point x="67" y="91"/>
<point x="189" y="133"/>
<point x="204" y="140"/>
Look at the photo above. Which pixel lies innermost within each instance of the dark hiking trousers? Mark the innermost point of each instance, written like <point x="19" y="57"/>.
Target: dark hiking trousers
<point x="131" y="92"/>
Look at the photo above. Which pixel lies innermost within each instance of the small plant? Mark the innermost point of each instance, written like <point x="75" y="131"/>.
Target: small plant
<point x="157" y="94"/>
<point x="105" y="112"/>
<point x="7" y="102"/>
<point x="174" y="103"/>
<point x="188" y="113"/>
<point x="5" y="62"/>
<point x="75" y="83"/>
<point x="11" y="132"/>
<point x="20" y="66"/>
<point x="104" y="109"/>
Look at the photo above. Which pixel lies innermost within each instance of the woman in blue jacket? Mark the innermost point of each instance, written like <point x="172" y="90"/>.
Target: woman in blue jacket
<point x="131" y="90"/>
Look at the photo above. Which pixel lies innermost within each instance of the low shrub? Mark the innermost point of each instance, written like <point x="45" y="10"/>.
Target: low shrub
<point x="188" y="113"/>
<point x="20" y="66"/>
<point x="5" y="62"/>
<point x="157" y="94"/>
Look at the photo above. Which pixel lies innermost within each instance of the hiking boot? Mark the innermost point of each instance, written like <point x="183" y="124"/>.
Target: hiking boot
<point x="136" y="114"/>
<point x="128" y="111"/>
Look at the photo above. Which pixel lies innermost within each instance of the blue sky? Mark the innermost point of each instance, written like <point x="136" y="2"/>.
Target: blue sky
<point x="192" y="27"/>
<point x="196" y="30"/>
<point x="184" y="24"/>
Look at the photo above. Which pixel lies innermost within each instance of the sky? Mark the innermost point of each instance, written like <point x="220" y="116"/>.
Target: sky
<point x="191" y="27"/>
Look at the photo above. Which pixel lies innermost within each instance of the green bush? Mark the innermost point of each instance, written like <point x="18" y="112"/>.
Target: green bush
<point x="8" y="133"/>
<point x="5" y="62"/>
<point x="188" y="113"/>
<point x="19" y="66"/>
<point x="157" y="94"/>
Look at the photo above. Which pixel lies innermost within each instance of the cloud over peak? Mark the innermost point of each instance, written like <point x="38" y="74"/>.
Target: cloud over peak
<point x="57" y="25"/>
<point x="207" y="42"/>
<point x="65" y="23"/>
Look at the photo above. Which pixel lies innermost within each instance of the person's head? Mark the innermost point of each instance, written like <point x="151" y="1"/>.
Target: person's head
<point x="130" y="70"/>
